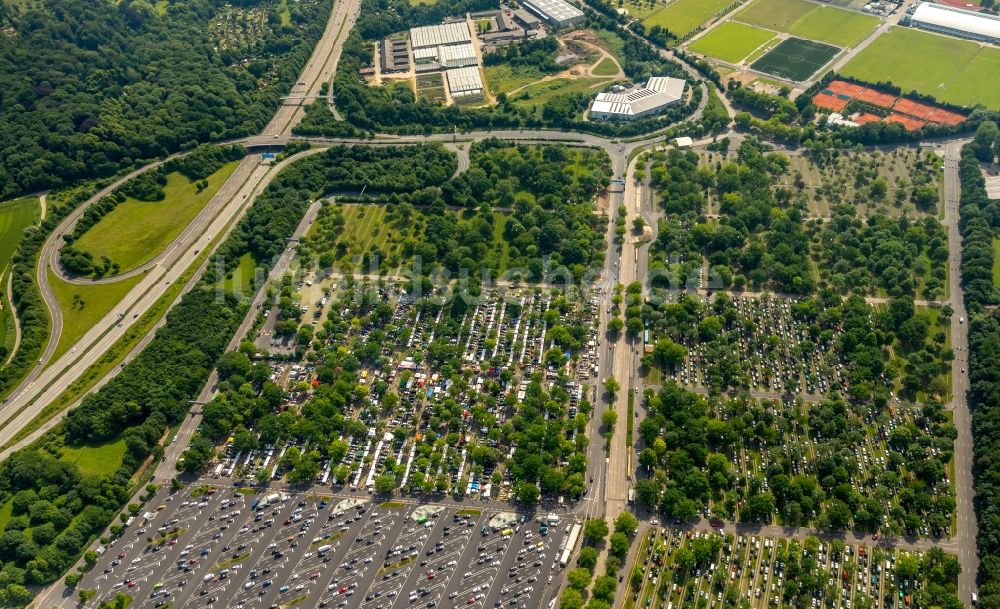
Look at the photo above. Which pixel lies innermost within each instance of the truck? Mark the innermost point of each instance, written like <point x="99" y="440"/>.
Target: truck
<point x="574" y="535"/>
<point x="323" y="549"/>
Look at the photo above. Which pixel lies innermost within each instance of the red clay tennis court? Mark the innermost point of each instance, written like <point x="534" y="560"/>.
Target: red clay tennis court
<point x="829" y="102"/>
<point x="910" y="124"/>
<point x="911" y="114"/>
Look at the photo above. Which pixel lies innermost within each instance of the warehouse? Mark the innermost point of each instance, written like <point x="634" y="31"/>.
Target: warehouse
<point x="440" y="35"/>
<point x="956" y="22"/>
<point x="465" y="83"/>
<point x="556" y="13"/>
<point x="658" y="94"/>
<point x="444" y="57"/>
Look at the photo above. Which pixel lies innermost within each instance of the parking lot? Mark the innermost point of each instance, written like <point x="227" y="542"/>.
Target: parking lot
<point x="211" y="547"/>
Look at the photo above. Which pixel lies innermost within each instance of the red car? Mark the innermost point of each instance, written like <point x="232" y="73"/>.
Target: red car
<point x="469" y="601"/>
<point x="122" y="555"/>
<point x="342" y="590"/>
<point x="130" y="584"/>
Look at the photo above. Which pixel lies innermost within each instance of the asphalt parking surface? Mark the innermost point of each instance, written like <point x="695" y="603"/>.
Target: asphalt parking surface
<point x="395" y="555"/>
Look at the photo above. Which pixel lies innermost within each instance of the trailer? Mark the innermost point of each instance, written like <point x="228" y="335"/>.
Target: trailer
<point x="574" y="536"/>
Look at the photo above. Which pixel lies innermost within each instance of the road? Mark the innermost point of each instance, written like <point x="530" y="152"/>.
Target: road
<point x="321" y="69"/>
<point x="967" y="527"/>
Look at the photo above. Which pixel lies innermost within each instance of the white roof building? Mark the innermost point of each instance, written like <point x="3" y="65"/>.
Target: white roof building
<point x="446" y="56"/>
<point x="658" y="93"/>
<point x="438" y="35"/>
<point x="557" y="13"/>
<point x="956" y="22"/>
<point x="465" y="82"/>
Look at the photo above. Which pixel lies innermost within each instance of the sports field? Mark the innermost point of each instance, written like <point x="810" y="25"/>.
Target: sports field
<point x="812" y="21"/>
<point x="795" y="59"/>
<point x="731" y="41"/>
<point x="136" y="231"/>
<point x="777" y="15"/>
<point x="684" y="16"/>
<point x="950" y="69"/>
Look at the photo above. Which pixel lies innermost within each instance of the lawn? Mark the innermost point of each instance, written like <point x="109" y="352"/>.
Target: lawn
<point x="100" y="460"/>
<point x="835" y="26"/>
<point x="136" y="231"/>
<point x="15" y="216"/>
<point x="950" y="69"/>
<point x="731" y="42"/>
<point x="505" y="78"/>
<point x="240" y="279"/>
<point x="535" y="96"/>
<point x="612" y="43"/>
<point x="996" y="262"/>
<point x="84" y="305"/>
<point x="606" y="67"/>
<point x="777" y="15"/>
<point x="684" y="16"/>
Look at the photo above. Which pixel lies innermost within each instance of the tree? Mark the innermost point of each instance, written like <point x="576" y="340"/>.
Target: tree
<point x="608" y="419"/>
<point x="385" y="483"/>
<point x="571" y="599"/>
<point x="578" y="578"/>
<point x="611" y="386"/>
<point x="588" y="558"/>
<point x="626" y="523"/>
<point x="619" y="544"/>
<point x="528" y="493"/>
<point x="595" y="530"/>
<point x="685" y="559"/>
<point x="667" y="353"/>
<point x="604" y="588"/>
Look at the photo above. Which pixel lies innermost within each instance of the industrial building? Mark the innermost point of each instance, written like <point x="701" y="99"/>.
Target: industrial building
<point x="465" y="83"/>
<point x="443" y="57"/>
<point x="556" y="13"/>
<point x="956" y="22"/>
<point x="440" y="35"/>
<point x="395" y="55"/>
<point x="659" y="93"/>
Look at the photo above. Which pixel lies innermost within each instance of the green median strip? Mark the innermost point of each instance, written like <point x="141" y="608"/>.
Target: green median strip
<point x="295" y="601"/>
<point x="327" y="540"/>
<point x="232" y="561"/>
<point x="388" y="505"/>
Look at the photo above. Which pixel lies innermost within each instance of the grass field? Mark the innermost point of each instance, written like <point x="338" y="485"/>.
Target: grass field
<point x="99" y="460"/>
<point x="241" y="278"/>
<point x="795" y="59"/>
<point x="15" y="216"/>
<point x="808" y="20"/>
<point x="684" y="16"/>
<point x="505" y="78"/>
<point x="136" y="231"/>
<point x="85" y="305"/>
<point x="536" y="95"/>
<point x="777" y="15"/>
<point x="950" y="69"/>
<point x="731" y="41"/>
<point x="996" y="262"/>
<point x="606" y="67"/>
<point x="835" y="26"/>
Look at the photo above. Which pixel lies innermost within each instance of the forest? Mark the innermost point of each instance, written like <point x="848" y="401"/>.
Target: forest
<point x="980" y="220"/>
<point x="763" y="238"/>
<point x="88" y="89"/>
<point x="517" y="206"/>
